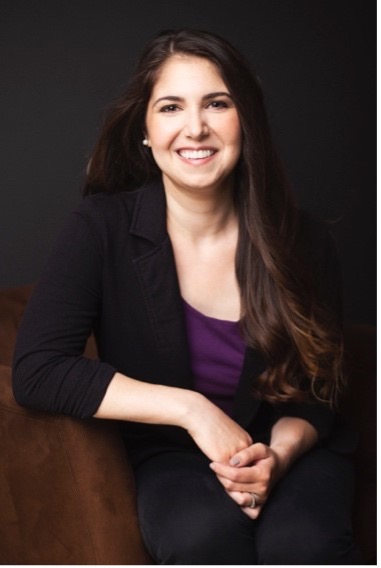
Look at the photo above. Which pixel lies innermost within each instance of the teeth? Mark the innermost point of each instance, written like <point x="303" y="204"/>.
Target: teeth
<point x="196" y="154"/>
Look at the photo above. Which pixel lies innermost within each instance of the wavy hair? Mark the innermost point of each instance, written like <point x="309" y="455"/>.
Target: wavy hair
<point x="283" y="315"/>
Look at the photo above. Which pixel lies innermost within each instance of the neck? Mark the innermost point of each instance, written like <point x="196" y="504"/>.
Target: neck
<point x="198" y="215"/>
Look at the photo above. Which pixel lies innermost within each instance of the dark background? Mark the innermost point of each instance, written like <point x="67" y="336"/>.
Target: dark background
<point x="63" y="61"/>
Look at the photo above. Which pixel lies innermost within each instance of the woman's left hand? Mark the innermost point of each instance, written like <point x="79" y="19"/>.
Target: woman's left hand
<point x="250" y="476"/>
<point x="251" y="473"/>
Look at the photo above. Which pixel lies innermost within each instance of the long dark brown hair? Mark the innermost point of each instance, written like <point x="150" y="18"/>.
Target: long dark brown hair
<point x="283" y="314"/>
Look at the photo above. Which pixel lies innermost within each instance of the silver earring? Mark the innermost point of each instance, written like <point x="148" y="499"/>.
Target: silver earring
<point x="145" y="142"/>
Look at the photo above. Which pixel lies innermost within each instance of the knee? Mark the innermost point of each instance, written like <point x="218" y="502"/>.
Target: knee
<point x="308" y="547"/>
<point x="206" y="541"/>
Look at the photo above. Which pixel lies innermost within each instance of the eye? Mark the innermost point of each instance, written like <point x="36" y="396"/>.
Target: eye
<point x="218" y="104"/>
<point x="169" y="108"/>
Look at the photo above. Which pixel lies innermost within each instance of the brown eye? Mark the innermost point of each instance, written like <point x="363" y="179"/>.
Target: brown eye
<point x="169" y="108"/>
<point x="218" y="104"/>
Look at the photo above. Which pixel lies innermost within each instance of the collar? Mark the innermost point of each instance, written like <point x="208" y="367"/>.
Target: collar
<point x="150" y="218"/>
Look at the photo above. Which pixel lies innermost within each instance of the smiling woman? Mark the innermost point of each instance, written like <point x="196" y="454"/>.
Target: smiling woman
<point x="193" y="130"/>
<point x="192" y="126"/>
<point x="215" y="304"/>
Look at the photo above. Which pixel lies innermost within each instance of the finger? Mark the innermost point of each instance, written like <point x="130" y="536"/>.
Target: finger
<point x="252" y="513"/>
<point x="240" y="475"/>
<point x="250" y="455"/>
<point x="244" y="500"/>
<point x="230" y="485"/>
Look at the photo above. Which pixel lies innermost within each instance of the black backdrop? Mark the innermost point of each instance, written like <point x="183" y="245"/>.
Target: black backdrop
<point x="63" y="61"/>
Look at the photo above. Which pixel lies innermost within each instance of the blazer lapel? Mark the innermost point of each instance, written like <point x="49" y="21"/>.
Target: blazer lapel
<point x="155" y="266"/>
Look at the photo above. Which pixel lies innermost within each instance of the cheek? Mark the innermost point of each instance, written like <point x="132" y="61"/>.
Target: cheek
<point x="233" y="128"/>
<point x="229" y="131"/>
<point x="161" y="132"/>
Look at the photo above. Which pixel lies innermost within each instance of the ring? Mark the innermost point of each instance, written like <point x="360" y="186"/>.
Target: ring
<point x="253" y="503"/>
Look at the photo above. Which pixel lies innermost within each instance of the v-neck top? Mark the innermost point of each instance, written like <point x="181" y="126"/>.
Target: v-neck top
<point x="111" y="271"/>
<point x="216" y="351"/>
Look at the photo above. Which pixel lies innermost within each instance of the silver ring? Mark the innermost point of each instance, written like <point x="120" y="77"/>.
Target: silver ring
<point x="253" y="503"/>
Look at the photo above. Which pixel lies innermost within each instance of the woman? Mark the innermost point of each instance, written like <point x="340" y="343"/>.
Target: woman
<point x="215" y="305"/>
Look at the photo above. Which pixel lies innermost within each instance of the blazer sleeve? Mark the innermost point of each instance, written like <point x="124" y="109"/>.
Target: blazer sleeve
<point x="320" y="252"/>
<point x="50" y="372"/>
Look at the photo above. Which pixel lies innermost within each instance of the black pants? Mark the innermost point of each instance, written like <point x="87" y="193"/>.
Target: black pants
<point x="187" y="518"/>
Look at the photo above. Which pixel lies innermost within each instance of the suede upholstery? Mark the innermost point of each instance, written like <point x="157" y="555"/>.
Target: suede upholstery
<point x="66" y="487"/>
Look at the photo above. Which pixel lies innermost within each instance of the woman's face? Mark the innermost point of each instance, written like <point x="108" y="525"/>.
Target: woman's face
<point x="192" y="125"/>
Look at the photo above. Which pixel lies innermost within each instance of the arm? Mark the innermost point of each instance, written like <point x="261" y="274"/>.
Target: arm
<point x="290" y="438"/>
<point x="51" y="373"/>
<point x="258" y="468"/>
<point x="217" y="435"/>
<point x="58" y="379"/>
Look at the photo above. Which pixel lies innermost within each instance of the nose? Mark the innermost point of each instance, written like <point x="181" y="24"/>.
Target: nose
<point x="196" y="126"/>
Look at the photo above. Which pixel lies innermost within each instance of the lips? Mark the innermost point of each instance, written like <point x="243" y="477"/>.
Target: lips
<point x="196" y="154"/>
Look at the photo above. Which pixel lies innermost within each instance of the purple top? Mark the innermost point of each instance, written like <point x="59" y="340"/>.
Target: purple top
<point x="217" y="351"/>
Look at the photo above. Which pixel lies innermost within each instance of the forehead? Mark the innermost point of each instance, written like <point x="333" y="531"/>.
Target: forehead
<point x="182" y="72"/>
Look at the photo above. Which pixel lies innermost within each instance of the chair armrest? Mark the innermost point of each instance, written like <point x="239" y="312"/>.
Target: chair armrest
<point x="66" y="489"/>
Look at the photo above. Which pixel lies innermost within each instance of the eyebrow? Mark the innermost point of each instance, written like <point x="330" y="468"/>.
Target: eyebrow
<point x="204" y="98"/>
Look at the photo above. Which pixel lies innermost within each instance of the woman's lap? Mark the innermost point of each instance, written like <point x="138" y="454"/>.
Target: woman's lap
<point x="186" y="517"/>
<point x="308" y="518"/>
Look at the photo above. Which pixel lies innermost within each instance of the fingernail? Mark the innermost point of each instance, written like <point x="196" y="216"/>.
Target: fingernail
<point x="235" y="461"/>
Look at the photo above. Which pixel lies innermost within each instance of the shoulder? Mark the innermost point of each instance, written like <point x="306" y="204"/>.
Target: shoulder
<point x="107" y="207"/>
<point x="109" y="211"/>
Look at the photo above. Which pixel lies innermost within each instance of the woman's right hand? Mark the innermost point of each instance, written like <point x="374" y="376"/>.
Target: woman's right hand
<point x="215" y="433"/>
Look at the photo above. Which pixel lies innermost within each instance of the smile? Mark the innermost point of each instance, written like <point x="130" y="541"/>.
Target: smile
<point x="196" y="154"/>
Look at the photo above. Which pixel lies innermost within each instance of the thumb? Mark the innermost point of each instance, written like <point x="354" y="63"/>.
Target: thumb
<point x="249" y="455"/>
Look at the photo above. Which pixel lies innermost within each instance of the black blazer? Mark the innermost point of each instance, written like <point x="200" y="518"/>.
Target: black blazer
<point x="112" y="271"/>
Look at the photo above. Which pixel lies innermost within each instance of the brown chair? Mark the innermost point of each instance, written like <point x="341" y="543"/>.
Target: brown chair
<point x="66" y="488"/>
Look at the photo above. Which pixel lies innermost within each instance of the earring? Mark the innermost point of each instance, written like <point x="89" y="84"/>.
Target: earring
<point x="145" y="142"/>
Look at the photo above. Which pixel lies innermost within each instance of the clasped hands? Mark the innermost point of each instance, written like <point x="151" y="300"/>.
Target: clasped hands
<point x="253" y="470"/>
<point x="242" y="467"/>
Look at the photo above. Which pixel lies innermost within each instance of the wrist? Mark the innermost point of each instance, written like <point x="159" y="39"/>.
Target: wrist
<point x="291" y="437"/>
<point x="283" y="456"/>
<point x="190" y="406"/>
